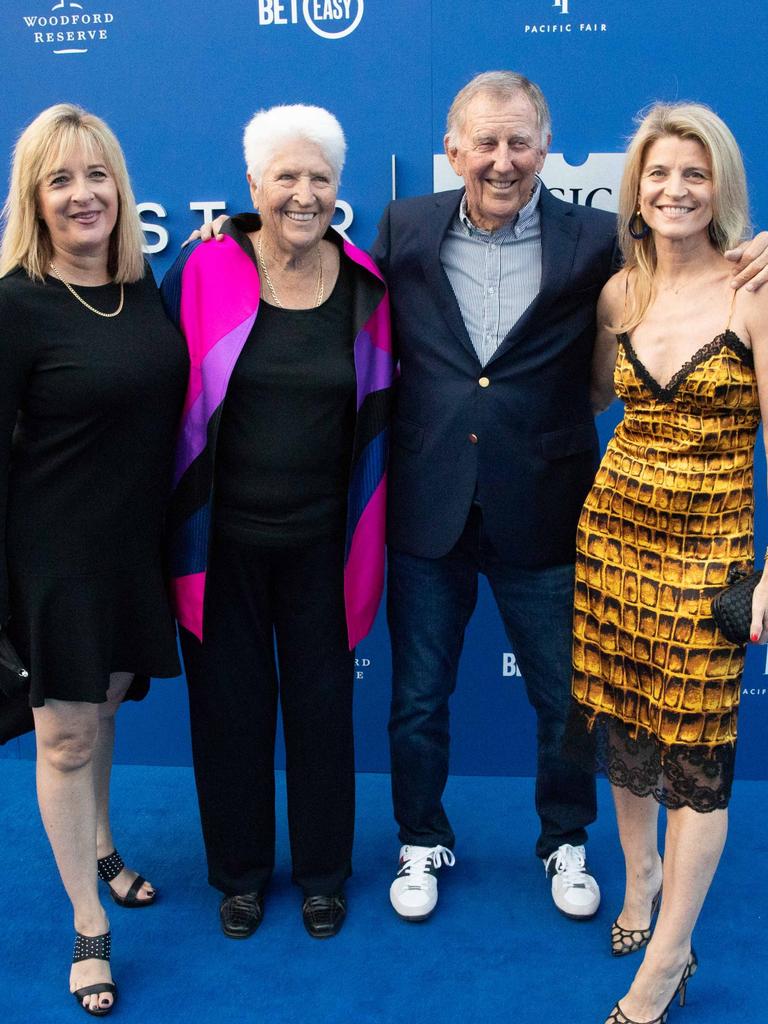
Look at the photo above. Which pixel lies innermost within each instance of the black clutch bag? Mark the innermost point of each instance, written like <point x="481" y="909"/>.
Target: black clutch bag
<point x="732" y="607"/>
<point x="14" y="678"/>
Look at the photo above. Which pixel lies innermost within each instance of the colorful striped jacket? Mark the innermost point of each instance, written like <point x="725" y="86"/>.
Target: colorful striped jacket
<point x="212" y="294"/>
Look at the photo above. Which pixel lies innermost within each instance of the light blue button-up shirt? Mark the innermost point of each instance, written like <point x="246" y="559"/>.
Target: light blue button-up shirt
<point x="495" y="275"/>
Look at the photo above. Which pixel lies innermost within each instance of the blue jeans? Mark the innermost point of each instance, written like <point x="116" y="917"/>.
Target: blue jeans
<point x="429" y="603"/>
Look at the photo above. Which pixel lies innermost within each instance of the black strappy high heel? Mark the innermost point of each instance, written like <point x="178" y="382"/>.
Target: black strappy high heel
<point x="629" y="940"/>
<point x="617" y="1015"/>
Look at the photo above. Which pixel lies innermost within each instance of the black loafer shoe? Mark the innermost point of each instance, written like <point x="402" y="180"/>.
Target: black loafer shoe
<point x="241" y="914"/>
<point x="324" y="915"/>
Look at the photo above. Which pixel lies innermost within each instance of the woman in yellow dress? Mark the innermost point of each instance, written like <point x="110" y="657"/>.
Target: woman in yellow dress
<point x="670" y="512"/>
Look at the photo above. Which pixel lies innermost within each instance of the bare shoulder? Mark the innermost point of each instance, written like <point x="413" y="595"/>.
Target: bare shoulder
<point x="751" y="309"/>
<point x="610" y="305"/>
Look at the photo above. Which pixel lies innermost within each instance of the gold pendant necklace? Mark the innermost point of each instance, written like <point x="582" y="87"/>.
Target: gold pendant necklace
<point x="80" y="299"/>
<point x="319" y="290"/>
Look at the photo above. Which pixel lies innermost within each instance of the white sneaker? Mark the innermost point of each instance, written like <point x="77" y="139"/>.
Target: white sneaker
<point x="413" y="893"/>
<point x="576" y="893"/>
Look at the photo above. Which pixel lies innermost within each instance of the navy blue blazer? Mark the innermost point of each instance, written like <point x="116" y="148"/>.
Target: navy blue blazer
<point x="525" y="445"/>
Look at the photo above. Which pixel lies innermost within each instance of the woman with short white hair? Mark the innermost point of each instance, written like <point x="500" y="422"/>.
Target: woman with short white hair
<point x="277" y="523"/>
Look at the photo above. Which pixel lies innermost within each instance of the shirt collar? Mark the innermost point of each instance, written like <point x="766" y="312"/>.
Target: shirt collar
<point x="516" y="227"/>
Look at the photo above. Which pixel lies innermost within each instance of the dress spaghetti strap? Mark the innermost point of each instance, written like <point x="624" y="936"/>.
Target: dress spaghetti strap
<point x="730" y="310"/>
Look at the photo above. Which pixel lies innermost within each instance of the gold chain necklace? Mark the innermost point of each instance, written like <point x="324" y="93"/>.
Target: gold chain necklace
<point x="80" y="299"/>
<point x="686" y="284"/>
<point x="319" y="290"/>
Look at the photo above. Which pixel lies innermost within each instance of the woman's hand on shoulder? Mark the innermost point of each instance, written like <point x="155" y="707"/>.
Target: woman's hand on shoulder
<point x="210" y="230"/>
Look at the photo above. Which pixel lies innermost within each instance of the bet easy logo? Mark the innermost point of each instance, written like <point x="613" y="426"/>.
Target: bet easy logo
<point x="330" y="19"/>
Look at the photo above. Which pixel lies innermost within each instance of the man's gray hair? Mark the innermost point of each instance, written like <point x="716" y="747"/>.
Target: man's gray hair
<point x="501" y="85"/>
<point x="269" y="130"/>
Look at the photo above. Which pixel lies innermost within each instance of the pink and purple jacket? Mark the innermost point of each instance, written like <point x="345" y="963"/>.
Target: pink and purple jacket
<point x="212" y="294"/>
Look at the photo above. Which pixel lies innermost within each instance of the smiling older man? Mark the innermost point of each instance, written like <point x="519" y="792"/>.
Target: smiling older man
<point x="493" y="290"/>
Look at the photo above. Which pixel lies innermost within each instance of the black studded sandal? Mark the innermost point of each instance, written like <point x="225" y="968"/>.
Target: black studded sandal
<point x="94" y="947"/>
<point x="109" y="867"/>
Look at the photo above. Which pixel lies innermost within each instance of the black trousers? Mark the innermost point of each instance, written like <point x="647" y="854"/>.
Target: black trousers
<point x="260" y="601"/>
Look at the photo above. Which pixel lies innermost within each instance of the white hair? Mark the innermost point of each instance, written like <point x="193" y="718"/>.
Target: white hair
<point x="268" y="130"/>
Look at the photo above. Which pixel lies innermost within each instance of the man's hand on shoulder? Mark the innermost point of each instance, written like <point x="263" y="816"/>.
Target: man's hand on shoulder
<point x="211" y="229"/>
<point x="751" y="259"/>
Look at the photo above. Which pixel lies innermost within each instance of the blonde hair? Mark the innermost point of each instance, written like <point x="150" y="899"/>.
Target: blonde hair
<point x="43" y="145"/>
<point x="730" y="204"/>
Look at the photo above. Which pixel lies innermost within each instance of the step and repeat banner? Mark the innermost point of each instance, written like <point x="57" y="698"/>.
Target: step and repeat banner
<point x="177" y="81"/>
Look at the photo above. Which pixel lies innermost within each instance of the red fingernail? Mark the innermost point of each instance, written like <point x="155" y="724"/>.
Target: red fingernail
<point x="755" y="637"/>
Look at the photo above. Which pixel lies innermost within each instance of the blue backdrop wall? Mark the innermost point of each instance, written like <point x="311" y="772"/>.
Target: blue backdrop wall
<point x="177" y="80"/>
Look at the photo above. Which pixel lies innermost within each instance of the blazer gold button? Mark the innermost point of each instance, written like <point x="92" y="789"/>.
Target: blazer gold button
<point x="473" y="438"/>
<point x="484" y="382"/>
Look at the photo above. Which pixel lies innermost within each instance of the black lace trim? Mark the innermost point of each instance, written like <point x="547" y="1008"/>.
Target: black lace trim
<point x="676" y="776"/>
<point x="728" y="339"/>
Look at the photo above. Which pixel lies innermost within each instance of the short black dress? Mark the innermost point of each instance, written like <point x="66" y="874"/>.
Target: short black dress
<point x="89" y="408"/>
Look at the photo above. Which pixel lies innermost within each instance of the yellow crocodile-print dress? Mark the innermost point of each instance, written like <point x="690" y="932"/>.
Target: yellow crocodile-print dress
<point x="670" y="512"/>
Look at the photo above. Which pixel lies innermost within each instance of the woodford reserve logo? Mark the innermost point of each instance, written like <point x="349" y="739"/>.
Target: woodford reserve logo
<point x="68" y="28"/>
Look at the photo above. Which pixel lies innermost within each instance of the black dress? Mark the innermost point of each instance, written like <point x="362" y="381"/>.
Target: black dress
<point x="88" y="413"/>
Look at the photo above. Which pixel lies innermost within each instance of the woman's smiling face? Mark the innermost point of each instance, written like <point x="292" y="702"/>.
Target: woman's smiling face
<point x="77" y="199"/>
<point x="676" y="188"/>
<point x="296" y="197"/>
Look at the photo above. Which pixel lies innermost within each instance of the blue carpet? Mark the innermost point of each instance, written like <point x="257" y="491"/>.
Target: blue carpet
<point x="495" y="950"/>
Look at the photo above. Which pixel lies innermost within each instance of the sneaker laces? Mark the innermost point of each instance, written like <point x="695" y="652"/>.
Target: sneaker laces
<point x="570" y="862"/>
<point x="417" y="868"/>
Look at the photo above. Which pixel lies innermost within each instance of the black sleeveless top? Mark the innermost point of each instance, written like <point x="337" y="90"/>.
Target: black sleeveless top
<point x="285" y="440"/>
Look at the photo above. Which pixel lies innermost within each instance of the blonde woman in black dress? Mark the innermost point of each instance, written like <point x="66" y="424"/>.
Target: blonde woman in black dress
<point x="92" y="377"/>
<point x="671" y="511"/>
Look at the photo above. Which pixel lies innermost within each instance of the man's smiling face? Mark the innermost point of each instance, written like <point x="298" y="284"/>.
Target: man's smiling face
<point x="499" y="154"/>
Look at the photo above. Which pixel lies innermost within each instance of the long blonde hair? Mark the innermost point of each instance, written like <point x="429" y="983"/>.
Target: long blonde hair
<point x="730" y="205"/>
<point x="50" y="137"/>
